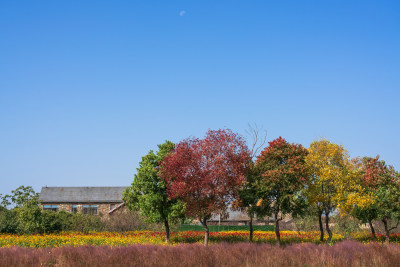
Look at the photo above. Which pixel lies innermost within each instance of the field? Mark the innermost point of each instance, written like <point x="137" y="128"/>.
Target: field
<point x="229" y="248"/>
<point x="150" y="237"/>
<point x="222" y="228"/>
<point x="347" y="253"/>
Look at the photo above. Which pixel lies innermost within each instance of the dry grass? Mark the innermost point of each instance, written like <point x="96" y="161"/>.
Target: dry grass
<point x="347" y="253"/>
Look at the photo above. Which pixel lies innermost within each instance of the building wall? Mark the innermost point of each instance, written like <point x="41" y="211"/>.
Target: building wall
<point x="102" y="208"/>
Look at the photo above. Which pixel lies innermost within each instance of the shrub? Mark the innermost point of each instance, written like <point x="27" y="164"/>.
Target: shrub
<point x="128" y="221"/>
<point x="8" y="221"/>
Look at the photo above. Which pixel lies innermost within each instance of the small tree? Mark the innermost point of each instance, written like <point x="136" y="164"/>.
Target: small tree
<point x="249" y="197"/>
<point x="284" y="174"/>
<point x="383" y="182"/>
<point x="148" y="193"/>
<point x="248" y="194"/>
<point x="206" y="174"/>
<point x="20" y="197"/>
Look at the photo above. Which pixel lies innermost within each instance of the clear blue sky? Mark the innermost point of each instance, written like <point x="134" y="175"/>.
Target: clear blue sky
<point x="89" y="87"/>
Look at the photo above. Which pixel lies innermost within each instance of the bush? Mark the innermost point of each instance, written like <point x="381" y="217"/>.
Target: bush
<point x="127" y="221"/>
<point x="345" y="225"/>
<point x="8" y="222"/>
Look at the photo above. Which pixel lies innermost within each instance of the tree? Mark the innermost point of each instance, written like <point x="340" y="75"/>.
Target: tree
<point x="383" y="182"/>
<point x="20" y="197"/>
<point x="206" y="174"/>
<point x="334" y="182"/>
<point x="148" y="193"/>
<point x="284" y="174"/>
<point x="248" y="194"/>
<point x="248" y="198"/>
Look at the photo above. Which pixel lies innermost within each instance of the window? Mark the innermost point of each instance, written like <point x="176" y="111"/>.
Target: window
<point x="50" y="207"/>
<point x="89" y="209"/>
<point x="74" y="209"/>
<point x="112" y="206"/>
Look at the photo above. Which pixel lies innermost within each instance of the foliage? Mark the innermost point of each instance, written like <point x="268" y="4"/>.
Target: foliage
<point x="21" y="196"/>
<point x="148" y="193"/>
<point x="8" y="221"/>
<point x="128" y="221"/>
<point x="334" y="183"/>
<point x="206" y="174"/>
<point x="305" y="223"/>
<point x="345" y="224"/>
<point x="223" y="228"/>
<point x="383" y="182"/>
<point x="283" y="171"/>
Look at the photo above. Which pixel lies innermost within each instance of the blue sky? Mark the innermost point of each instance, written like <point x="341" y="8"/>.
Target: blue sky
<point x="89" y="87"/>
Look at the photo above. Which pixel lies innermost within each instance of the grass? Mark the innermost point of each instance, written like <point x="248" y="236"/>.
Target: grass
<point x="346" y="253"/>
<point x="220" y="228"/>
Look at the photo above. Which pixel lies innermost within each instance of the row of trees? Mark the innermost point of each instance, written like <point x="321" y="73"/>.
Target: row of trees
<point x="201" y="177"/>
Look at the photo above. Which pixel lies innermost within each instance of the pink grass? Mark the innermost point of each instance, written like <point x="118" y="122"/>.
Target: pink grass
<point x="347" y="253"/>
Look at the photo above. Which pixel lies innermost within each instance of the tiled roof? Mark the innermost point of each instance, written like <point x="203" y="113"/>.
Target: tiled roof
<point x="107" y="194"/>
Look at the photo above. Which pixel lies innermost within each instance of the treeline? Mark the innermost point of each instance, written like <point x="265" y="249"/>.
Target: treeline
<point x="197" y="178"/>
<point x="20" y="213"/>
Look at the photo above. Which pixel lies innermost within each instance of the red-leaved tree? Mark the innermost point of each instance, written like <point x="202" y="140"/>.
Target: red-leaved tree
<point x="284" y="174"/>
<point x="206" y="173"/>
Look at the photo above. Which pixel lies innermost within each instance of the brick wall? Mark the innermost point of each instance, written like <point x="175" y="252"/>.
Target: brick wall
<point x="102" y="208"/>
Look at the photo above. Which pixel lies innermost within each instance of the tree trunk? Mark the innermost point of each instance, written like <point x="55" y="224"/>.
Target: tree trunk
<point x="166" y="231"/>
<point x="321" y="227"/>
<point x="207" y="231"/>
<point x="277" y="233"/>
<point x="251" y="228"/>
<point x="385" y="223"/>
<point x="372" y="229"/>
<point x="327" y="227"/>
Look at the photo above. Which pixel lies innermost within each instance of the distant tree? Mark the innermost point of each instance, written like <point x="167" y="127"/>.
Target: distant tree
<point x="383" y="182"/>
<point x="20" y="197"/>
<point x="334" y="182"/>
<point x="206" y="174"/>
<point x="284" y="174"/>
<point x="148" y="192"/>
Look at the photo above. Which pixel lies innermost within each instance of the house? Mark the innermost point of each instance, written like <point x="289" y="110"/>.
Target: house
<point x="87" y="200"/>
<point x="108" y="200"/>
<point x="235" y="217"/>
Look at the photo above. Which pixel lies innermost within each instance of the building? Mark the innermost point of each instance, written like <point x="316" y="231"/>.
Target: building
<point x="87" y="200"/>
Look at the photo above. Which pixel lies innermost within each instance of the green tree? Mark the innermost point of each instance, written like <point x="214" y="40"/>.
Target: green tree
<point x="20" y="197"/>
<point x="284" y="175"/>
<point x="148" y="192"/>
<point x="383" y="182"/>
<point x="29" y="218"/>
<point x="248" y="198"/>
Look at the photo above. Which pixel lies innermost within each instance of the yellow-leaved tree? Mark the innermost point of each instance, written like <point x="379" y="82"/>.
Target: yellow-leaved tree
<point x="335" y="182"/>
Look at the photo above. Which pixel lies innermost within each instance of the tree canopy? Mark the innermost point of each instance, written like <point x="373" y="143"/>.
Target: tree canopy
<point x="284" y="174"/>
<point x="207" y="173"/>
<point x="148" y="192"/>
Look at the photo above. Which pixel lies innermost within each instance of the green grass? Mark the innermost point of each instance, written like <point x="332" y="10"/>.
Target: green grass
<point x="219" y="228"/>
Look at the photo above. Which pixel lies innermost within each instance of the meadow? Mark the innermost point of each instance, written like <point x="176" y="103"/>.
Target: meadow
<point x="118" y="239"/>
<point x="227" y="248"/>
<point x="346" y="253"/>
